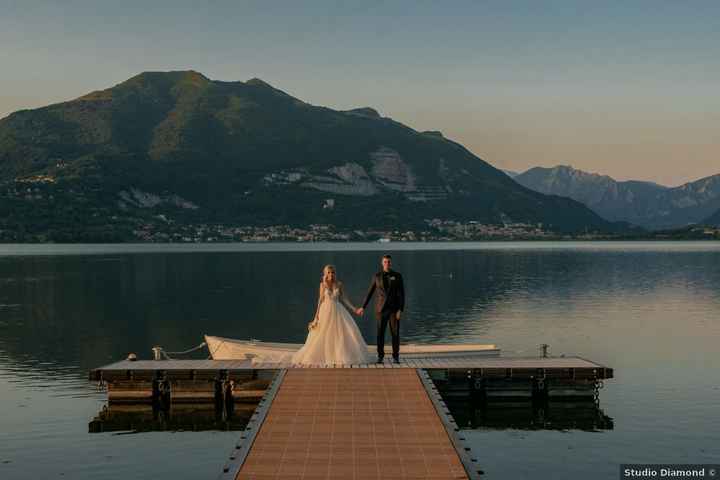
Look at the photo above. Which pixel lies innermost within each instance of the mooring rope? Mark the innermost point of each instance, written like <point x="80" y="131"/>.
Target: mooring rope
<point x="184" y="352"/>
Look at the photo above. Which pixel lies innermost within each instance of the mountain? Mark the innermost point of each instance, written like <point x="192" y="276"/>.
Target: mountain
<point x="713" y="219"/>
<point x="511" y="173"/>
<point x="191" y="149"/>
<point x="692" y="202"/>
<point x="642" y="203"/>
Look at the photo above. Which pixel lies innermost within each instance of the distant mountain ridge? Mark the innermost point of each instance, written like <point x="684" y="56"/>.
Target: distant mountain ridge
<point x="646" y="204"/>
<point x="187" y="147"/>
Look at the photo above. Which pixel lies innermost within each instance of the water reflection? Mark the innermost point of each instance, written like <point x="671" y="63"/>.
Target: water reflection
<point x="518" y="415"/>
<point x="650" y="312"/>
<point x="193" y="418"/>
<point x="86" y="311"/>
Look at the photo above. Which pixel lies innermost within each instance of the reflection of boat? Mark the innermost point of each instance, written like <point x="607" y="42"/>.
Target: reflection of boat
<point x="230" y="349"/>
<point x="383" y="240"/>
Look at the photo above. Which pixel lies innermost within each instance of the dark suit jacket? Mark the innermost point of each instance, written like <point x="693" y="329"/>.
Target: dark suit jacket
<point x="391" y="300"/>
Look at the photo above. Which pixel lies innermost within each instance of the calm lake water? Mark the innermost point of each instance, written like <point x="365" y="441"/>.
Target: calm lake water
<point x="649" y="310"/>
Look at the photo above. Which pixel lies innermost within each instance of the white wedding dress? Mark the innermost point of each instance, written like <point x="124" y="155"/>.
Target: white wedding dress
<point x="336" y="340"/>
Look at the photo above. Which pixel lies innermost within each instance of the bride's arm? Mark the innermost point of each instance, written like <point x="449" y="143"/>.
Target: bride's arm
<point x="344" y="298"/>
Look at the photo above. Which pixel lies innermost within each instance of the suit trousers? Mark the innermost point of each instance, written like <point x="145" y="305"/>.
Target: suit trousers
<point x="383" y="318"/>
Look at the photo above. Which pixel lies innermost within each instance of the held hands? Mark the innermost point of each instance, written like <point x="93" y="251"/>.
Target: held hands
<point x="360" y="311"/>
<point x="312" y="324"/>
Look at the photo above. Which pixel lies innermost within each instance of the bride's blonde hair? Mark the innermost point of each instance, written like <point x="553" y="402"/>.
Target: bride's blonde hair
<point x="325" y="269"/>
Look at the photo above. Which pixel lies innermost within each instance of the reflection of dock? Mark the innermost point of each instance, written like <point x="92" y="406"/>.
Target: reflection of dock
<point x="350" y="420"/>
<point x="529" y="415"/>
<point x="193" y="418"/>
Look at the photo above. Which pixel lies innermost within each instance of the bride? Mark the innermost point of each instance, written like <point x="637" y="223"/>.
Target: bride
<point x="333" y="336"/>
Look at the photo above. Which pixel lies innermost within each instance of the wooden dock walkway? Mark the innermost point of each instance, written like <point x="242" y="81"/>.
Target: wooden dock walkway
<point x="351" y="424"/>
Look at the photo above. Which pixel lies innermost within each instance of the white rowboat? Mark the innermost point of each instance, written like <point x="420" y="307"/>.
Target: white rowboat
<point x="222" y="348"/>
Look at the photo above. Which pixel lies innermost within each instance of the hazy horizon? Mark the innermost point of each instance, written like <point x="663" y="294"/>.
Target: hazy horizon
<point x="621" y="90"/>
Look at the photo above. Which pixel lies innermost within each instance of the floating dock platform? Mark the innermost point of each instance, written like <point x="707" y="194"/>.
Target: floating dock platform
<point x="362" y="421"/>
<point x="201" y="381"/>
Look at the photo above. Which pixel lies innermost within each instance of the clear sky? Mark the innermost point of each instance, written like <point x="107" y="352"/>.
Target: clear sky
<point x="626" y="88"/>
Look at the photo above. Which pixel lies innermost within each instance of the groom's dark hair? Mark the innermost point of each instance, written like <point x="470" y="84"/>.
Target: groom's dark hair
<point x="388" y="256"/>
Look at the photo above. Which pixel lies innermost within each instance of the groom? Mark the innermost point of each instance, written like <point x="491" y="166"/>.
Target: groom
<point x="389" y="305"/>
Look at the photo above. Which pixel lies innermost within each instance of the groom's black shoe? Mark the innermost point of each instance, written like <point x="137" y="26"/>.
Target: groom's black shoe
<point x="379" y="360"/>
<point x="396" y="359"/>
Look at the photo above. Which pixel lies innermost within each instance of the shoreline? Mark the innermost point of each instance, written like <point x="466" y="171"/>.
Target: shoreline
<point x="58" y="249"/>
